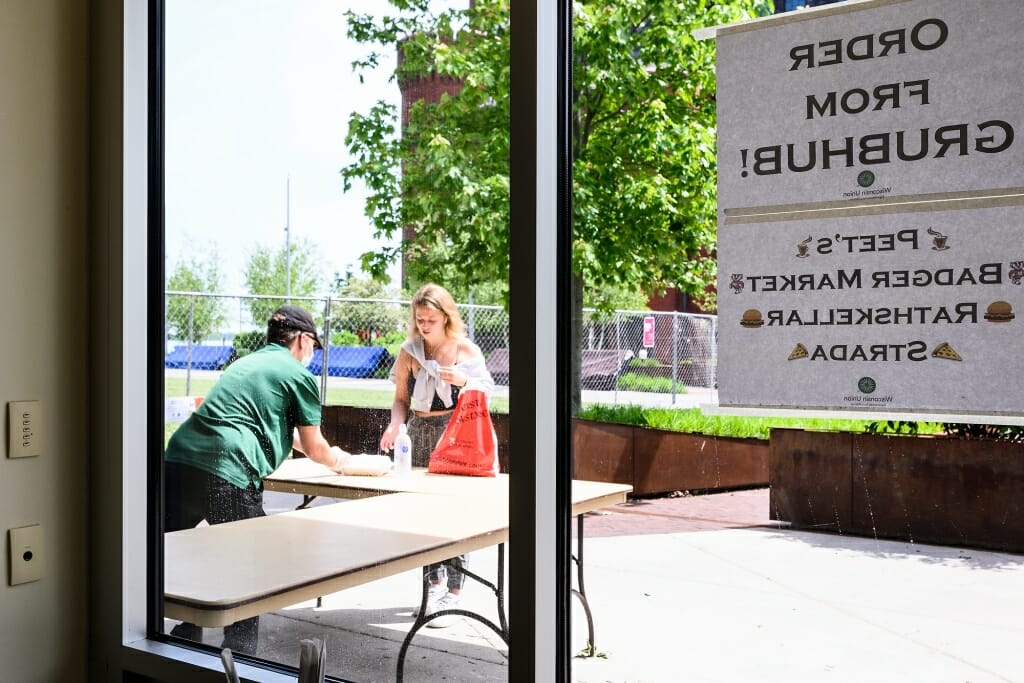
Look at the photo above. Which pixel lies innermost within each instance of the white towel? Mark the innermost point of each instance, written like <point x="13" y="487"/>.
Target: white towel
<point x="428" y="381"/>
<point x="366" y="465"/>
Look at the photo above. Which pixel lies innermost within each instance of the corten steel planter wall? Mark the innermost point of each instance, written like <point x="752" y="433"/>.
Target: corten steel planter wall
<point x="650" y="460"/>
<point x="602" y="451"/>
<point x="666" y="461"/>
<point x="810" y="479"/>
<point x="926" y="489"/>
<point x="659" y="461"/>
<point x="358" y="430"/>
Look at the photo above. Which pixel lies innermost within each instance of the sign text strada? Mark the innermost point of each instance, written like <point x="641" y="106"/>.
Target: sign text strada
<point x="924" y="304"/>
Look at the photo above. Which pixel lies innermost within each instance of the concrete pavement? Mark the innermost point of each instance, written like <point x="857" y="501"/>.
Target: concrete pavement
<point x="707" y="589"/>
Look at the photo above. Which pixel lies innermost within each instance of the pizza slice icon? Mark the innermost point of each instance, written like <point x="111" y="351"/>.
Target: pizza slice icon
<point x="944" y="350"/>
<point x="799" y="351"/>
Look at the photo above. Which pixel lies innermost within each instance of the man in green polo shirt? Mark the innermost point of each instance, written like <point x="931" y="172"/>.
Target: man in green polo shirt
<point x="262" y="407"/>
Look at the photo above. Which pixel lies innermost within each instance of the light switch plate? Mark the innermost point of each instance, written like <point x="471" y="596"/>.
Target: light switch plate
<point x="24" y="429"/>
<point x="26" y="547"/>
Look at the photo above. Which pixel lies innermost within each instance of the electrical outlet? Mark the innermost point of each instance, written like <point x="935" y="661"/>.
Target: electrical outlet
<point x="26" y="545"/>
<point x="25" y="429"/>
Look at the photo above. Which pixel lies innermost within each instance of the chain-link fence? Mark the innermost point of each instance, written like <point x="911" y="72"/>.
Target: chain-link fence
<point x="626" y="355"/>
<point x="648" y="351"/>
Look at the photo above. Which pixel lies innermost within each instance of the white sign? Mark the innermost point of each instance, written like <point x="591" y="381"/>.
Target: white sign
<point x="896" y="99"/>
<point x="871" y="204"/>
<point x="904" y="311"/>
<point x="178" y="408"/>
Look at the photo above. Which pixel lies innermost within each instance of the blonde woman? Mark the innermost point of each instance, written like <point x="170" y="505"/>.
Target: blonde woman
<point x="436" y="361"/>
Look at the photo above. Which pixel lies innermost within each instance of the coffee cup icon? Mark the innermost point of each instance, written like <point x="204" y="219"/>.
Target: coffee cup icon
<point x="939" y="241"/>
<point x="802" y="250"/>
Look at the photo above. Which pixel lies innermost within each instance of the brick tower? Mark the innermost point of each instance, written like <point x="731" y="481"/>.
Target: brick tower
<point x="428" y="88"/>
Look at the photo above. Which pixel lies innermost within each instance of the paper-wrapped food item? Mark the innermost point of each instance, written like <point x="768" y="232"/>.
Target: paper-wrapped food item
<point x="367" y="465"/>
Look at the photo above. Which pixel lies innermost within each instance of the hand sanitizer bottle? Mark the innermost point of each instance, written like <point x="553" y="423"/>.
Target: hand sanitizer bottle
<point x="403" y="451"/>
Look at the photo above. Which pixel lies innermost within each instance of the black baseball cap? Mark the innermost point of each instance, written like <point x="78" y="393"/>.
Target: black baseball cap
<point x="295" y="318"/>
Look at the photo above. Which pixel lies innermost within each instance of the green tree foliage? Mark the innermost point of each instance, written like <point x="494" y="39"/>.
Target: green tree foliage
<point x="370" y="318"/>
<point x="643" y="143"/>
<point x="609" y="299"/>
<point x="447" y="175"/>
<point x="345" y="338"/>
<point x="247" y="342"/>
<point x="481" y="294"/>
<point x="266" y="274"/>
<point x="194" y="318"/>
<point x="644" y="175"/>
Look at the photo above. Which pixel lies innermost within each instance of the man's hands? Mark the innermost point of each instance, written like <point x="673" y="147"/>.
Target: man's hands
<point x="340" y="458"/>
<point x="309" y="440"/>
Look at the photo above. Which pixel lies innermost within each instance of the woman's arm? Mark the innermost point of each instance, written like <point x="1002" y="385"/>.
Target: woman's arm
<point x="470" y="366"/>
<point x="400" y="404"/>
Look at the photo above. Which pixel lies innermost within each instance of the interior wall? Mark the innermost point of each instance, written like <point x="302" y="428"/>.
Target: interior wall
<point x="43" y="343"/>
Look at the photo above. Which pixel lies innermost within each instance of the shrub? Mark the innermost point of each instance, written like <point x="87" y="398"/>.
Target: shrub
<point x="247" y="342"/>
<point x="373" y="315"/>
<point x="1011" y="433"/>
<point x="960" y="430"/>
<point x="616" y="414"/>
<point x="383" y="370"/>
<point x="693" y="421"/>
<point x="345" y="338"/>
<point x="392" y="341"/>
<point x="631" y="381"/>
<point x="892" y="427"/>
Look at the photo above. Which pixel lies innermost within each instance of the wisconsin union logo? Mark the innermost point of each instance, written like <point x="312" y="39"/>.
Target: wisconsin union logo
<point x="865" y="178"/>
<point x="866" y="385"/>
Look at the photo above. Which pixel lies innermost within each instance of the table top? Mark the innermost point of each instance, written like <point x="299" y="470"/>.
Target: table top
<point x="303" y="476"/>
<point x="218" y="574"/>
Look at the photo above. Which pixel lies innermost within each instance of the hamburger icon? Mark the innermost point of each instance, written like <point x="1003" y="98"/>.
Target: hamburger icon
<point x="751" y="318"/>
<point x="998" y="312"/>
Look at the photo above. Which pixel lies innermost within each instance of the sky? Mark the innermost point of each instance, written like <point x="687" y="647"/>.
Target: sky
<point x="258" y="95"/>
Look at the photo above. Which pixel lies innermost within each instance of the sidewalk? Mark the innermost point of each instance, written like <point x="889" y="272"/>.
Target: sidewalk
<point x="707" y="589"/>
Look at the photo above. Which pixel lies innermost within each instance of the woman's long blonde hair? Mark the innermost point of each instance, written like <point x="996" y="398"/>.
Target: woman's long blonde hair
<point x="438" y="298"/>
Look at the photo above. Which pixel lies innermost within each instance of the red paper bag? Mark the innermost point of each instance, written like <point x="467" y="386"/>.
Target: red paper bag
<point x="469" y="444"/>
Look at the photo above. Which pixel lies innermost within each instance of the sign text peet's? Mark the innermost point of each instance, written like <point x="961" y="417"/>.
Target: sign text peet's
<point x="924" y="304"/>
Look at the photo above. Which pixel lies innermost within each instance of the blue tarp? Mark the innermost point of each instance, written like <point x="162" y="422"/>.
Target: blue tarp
<point x="203" y="357"/>
<point x="350" y="361"/>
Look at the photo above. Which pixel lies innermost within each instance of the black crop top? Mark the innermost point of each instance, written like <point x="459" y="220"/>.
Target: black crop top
<point x="436" y="404"/>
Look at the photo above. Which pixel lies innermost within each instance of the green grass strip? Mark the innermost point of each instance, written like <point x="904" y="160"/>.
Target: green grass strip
<point x="693" y="421"/>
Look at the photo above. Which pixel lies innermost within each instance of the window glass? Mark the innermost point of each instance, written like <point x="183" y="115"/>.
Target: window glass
<point x="312" y="197"/>
<point x="861" y="512"/>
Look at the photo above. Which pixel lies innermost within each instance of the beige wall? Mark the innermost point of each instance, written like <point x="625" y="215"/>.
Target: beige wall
<point x="43" y="341"/>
